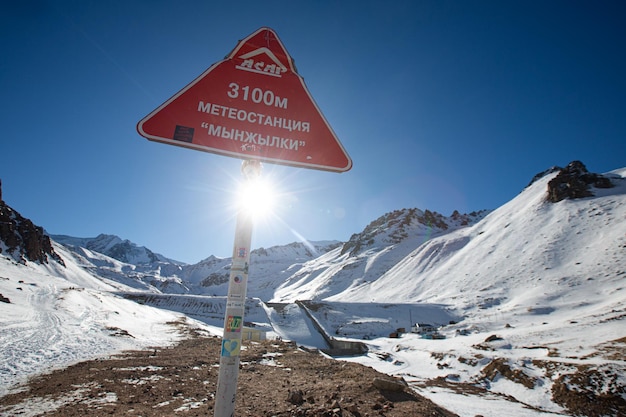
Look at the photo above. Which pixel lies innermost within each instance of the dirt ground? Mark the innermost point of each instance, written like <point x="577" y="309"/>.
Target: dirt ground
<point x="275" y="379"/>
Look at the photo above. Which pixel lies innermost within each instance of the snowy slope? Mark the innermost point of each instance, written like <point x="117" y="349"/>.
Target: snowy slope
<point x="369" y="254"/>
<point x="524" y="255"/>
<point x="528" y="254"/>
<point x="53" y="316"/>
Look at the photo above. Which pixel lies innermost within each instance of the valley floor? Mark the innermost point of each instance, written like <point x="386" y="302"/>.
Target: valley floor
<point x="275" y="379"/>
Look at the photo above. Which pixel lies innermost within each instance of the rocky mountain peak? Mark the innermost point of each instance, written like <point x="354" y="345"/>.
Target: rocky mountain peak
<point x="575" y="181"/>
<point x="115" y="247"/>
<point x="394" y="227"/>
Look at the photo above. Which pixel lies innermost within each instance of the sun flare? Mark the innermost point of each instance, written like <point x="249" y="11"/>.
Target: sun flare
<point x="257" y="196"/>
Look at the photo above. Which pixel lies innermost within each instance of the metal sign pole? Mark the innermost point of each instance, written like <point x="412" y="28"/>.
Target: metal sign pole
<point x="235" y="304"/>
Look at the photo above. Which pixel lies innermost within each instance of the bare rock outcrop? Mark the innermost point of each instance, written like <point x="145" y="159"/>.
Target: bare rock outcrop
<point x="23" y="240"/>
<point x="574" y="181"/>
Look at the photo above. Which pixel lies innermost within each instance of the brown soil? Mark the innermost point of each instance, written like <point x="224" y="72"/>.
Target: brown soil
<point x="581" y="392"/>
<point x="181" y="380"/>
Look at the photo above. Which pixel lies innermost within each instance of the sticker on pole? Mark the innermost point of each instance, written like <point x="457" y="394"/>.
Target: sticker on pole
<point x="251" y="105"/>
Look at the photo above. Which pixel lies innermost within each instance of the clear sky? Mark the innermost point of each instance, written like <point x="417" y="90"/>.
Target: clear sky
<point x="442" y="105"/>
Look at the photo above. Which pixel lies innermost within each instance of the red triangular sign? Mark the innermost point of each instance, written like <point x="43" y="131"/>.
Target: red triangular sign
<point x="251" y="105"/>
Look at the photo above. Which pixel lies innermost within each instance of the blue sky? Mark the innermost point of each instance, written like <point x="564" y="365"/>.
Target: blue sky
<point x="442" y="105"/>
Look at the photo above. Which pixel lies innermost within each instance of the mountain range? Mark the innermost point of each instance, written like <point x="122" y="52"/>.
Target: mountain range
<point x="545" y="271"/>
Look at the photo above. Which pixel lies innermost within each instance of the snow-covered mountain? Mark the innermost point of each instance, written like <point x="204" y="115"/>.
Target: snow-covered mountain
<point x="116" y="248"/>
<point x="530" y="296"/>
<point x="268" y="269"/>
<point x="518" y="256"/>
<point x="276" y="271"/>
<point x="369" y="254"/>
<point x="110" y="257"/>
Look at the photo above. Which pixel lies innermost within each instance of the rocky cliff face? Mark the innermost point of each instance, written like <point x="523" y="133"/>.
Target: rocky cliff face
<point x="21" y="239"/>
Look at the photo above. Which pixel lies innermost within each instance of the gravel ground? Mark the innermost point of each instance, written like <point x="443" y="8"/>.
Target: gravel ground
<point x="275" y="379"/>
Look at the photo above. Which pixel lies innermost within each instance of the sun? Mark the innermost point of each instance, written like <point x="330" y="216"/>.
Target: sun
<point x="257" y="197"/>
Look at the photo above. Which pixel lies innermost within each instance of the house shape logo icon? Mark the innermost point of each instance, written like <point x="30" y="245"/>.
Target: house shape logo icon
<point x="254" y="62"/>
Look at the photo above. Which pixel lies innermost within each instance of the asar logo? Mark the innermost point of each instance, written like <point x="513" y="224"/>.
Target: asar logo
<point x="255" y="62"/>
